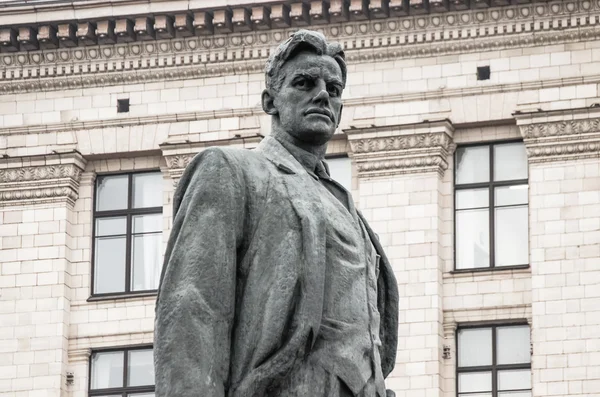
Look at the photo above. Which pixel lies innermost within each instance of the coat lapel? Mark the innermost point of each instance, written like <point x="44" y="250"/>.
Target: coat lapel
<point x="307" y="204"/>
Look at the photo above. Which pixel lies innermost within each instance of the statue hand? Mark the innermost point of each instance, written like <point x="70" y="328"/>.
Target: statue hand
<point x="389" y="393"/>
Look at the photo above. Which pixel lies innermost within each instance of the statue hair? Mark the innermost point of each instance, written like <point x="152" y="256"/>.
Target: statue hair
<point x="302" y="40"/>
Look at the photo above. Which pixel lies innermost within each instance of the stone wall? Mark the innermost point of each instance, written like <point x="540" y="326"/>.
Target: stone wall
<point x="412" y="97"/>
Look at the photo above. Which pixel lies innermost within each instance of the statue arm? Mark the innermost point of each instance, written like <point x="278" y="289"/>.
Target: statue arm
<point x="196" y="303"/>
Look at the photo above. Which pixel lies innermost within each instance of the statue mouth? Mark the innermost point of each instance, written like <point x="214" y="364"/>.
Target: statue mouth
<point x="322" y="111"/>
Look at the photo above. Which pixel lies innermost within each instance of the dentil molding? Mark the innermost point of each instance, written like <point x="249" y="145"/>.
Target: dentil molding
<point x="41" y="179"/>
<point x="560" y="134"/>
<point x="401" y="149"/>
<point x="136" y="60"/>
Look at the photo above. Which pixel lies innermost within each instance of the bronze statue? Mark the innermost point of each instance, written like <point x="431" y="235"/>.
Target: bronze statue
<point x="273" y="283"/>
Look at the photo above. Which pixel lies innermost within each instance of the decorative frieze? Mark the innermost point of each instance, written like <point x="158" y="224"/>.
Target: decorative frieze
<point x="418" y="17"/>
<point x="40" y="179"/>
<point x="137" y="58"/>
<point x="560" y="134"/>
<point x="402" y="149"/>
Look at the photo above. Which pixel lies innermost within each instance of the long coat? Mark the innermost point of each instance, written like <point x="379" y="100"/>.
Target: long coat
<point x="241" y="293"/>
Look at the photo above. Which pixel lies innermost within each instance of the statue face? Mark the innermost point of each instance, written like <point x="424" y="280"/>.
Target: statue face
<point x="309" y="102"/>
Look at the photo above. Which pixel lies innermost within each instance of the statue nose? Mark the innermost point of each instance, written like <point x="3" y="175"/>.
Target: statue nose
<point x="321" y="97"/>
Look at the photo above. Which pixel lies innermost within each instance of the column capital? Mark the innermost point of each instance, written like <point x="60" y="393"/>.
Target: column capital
<point x="50" y="178"/>
<point x="557" y="135"/>
<point x="402" y="148"/>
<point x="179" y="154"/>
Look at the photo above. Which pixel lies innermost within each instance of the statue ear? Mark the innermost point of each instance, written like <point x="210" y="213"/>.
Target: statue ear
<point x="339" y="116"/>
<point x="268" y="103"/>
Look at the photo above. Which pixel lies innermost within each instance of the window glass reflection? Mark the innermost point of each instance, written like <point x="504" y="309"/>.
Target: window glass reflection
<point x="472" y="239"/>
<point x="147" y="190"/>
<point x="512" y="236"/>
<point x="472" y="164"/>
<point x="107" y="370"/>
<point x="141" y="368"/>
<point x="515" y="342"/>
<point x="340" y="170"/>
<point x="111" y="192"/>
<point x="510" y="161"/>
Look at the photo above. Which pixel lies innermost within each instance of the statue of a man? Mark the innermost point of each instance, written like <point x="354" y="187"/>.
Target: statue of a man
<point x="273" y="283"/>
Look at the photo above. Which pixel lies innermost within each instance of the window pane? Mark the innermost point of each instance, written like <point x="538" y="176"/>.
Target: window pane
<point x="512" y="236"/>
<point x="147" y="223"/>
<point x="511" y="195"/>
<point x="109" y="265"/>
<point x="472" y="164"/>
<point x="472" y="198"/>
<point x="146" y="261"/>
<point x="519" y="379"/>
<point x="147" y="190"/>
<point x="111" y="193"/>
<point x="510" y="161"/>
<point x="474" y="382"/>
<point x="340" y="169"/>
<point x="141" y="368"/>
<point x="107" y="370"/>
<point x="474" y="347"/>
<point x="472" y="239"/>
<point x="513" y="345"/>
<point x="111" y="226"/>
<point x="514" y="394"/>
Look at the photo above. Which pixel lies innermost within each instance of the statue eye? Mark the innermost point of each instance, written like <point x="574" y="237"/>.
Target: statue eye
<point x="333" y="90"/>
<point x="303" y="83"/>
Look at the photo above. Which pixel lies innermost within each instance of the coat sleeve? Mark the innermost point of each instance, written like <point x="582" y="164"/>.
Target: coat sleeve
<point x="196" y="301"/>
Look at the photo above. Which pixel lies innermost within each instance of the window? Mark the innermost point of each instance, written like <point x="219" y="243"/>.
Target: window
<point x="128" y="223"/>
<point x="494" y="361"/>
<point x="122" y="373"/>
<point x="340" y="169"/>
<point x="491" y="204"/>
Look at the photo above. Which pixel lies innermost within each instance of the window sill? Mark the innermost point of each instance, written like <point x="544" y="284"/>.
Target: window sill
<point x="130" y="295"/>
<point x="488" y="270"/>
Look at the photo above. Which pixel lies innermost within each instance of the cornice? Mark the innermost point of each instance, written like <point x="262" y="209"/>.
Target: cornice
<point x="28" y="28"/>
<point x="402" y="149"/>
<point x="139" y="61"/>
<point x="40" y="179"/>
<point x="561" y="135"/>
<point x="487" y="314"/>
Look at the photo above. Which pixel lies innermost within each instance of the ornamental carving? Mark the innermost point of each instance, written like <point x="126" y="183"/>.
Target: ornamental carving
<point x="25" y="174"/>
<point x="556" y="129"/>
<point x="55" y="181"/>
<point x="402" y="149"/>
<point x="165" y="57"/>
<point x="404" y="142"/>
<point x="569" y="139"/>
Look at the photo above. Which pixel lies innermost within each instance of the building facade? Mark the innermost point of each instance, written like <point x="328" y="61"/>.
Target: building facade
<point x="470" y="139"/>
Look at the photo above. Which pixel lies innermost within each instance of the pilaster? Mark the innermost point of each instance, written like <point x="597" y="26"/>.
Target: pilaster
<point x="563" y="148"/>
<point x="400" y="169"/>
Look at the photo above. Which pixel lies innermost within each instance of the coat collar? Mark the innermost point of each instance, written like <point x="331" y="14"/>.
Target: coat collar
<point x="280" y="156"/>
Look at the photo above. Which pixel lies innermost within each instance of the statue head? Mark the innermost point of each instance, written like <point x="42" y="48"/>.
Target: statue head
<point x="305" y="77"/>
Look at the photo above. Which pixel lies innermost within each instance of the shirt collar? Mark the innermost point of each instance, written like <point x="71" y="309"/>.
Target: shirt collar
<point x="308" y="160"/>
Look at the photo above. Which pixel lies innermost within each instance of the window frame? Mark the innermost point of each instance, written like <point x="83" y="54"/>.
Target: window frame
<point x="491" y="185"/>
<point x="129" y="212"/>
<point x="494" y="367"/>
<point x="125" y="390"/>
